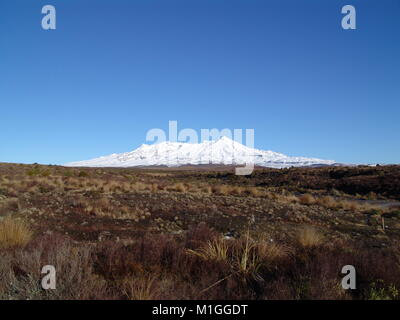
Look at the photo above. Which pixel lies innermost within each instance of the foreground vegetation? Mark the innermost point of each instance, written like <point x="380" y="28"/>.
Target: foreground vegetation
<point x="185" y="234"/>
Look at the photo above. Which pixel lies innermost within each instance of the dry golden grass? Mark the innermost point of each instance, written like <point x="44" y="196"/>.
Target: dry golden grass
<point x="177" y="187"/>
<point x="220" y="190"/>
<point x="206" y="189"/>
<point x="248" y="256"/>
<point x="103" y="203"/>
<point x="253" y="191"/>
<point x="180" y="187"/>
<point x="14" y="233"/>
<point x="351" y="205"/>
<point x="234" y="190"/>
<point x="251" y="254"/>
<point x="244" y="256"/>
<point x="327" y="202"/>
<point x="155" y="187"/>
<point x="140" y="288"/>
<point x="271" y="251"/>
<point x="309" y="237"/>
<point x="99" y="207"/>
<point x="307" y="199"/>
<point x="216" y="250"/>
<point x="292" y="199"/>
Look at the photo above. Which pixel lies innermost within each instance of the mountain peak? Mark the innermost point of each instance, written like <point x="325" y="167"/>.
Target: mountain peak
<point x="223" y="151"/>
<point x="227" y="141"/>
<point x="225" y="138"/>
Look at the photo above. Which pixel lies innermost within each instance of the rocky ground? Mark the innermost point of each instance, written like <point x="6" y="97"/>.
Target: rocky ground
<point x="95" y="204"/>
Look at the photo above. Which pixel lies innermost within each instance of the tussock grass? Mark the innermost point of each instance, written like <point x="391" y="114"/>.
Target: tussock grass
<point x="253" y="192"/>
<point x="327" y="202"/>
<point x="244" y="256"/>
<point x="307" y="199"/>
<point x="234" y="190"/>
<point x="216" y="250"/>
<point x="180" y="187"/>
<point x="248" y="256"/>
<point x="271" y="251"/>
<point x="354" y="206"/>
<point x="309" y="237"/>
<point x="219" y="189"/>
<point x="14" y="233"/>
<point x="140" y="288"/>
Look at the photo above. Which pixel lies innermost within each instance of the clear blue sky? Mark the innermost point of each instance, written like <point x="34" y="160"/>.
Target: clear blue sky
<point x="115" y="69"/>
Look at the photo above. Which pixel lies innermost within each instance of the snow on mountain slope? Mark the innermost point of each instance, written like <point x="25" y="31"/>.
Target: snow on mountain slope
<point x="223" y="151"/>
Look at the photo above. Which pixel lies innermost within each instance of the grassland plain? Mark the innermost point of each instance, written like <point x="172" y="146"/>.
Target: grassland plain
<point x="187" y="233"/>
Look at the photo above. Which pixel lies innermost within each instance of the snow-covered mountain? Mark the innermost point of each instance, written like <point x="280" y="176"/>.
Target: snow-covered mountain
<point x="220" y="152"/>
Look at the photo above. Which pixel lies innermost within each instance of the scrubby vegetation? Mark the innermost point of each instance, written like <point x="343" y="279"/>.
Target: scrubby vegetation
<point x="190" y="267"/>
<point x="185" y="234"/>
